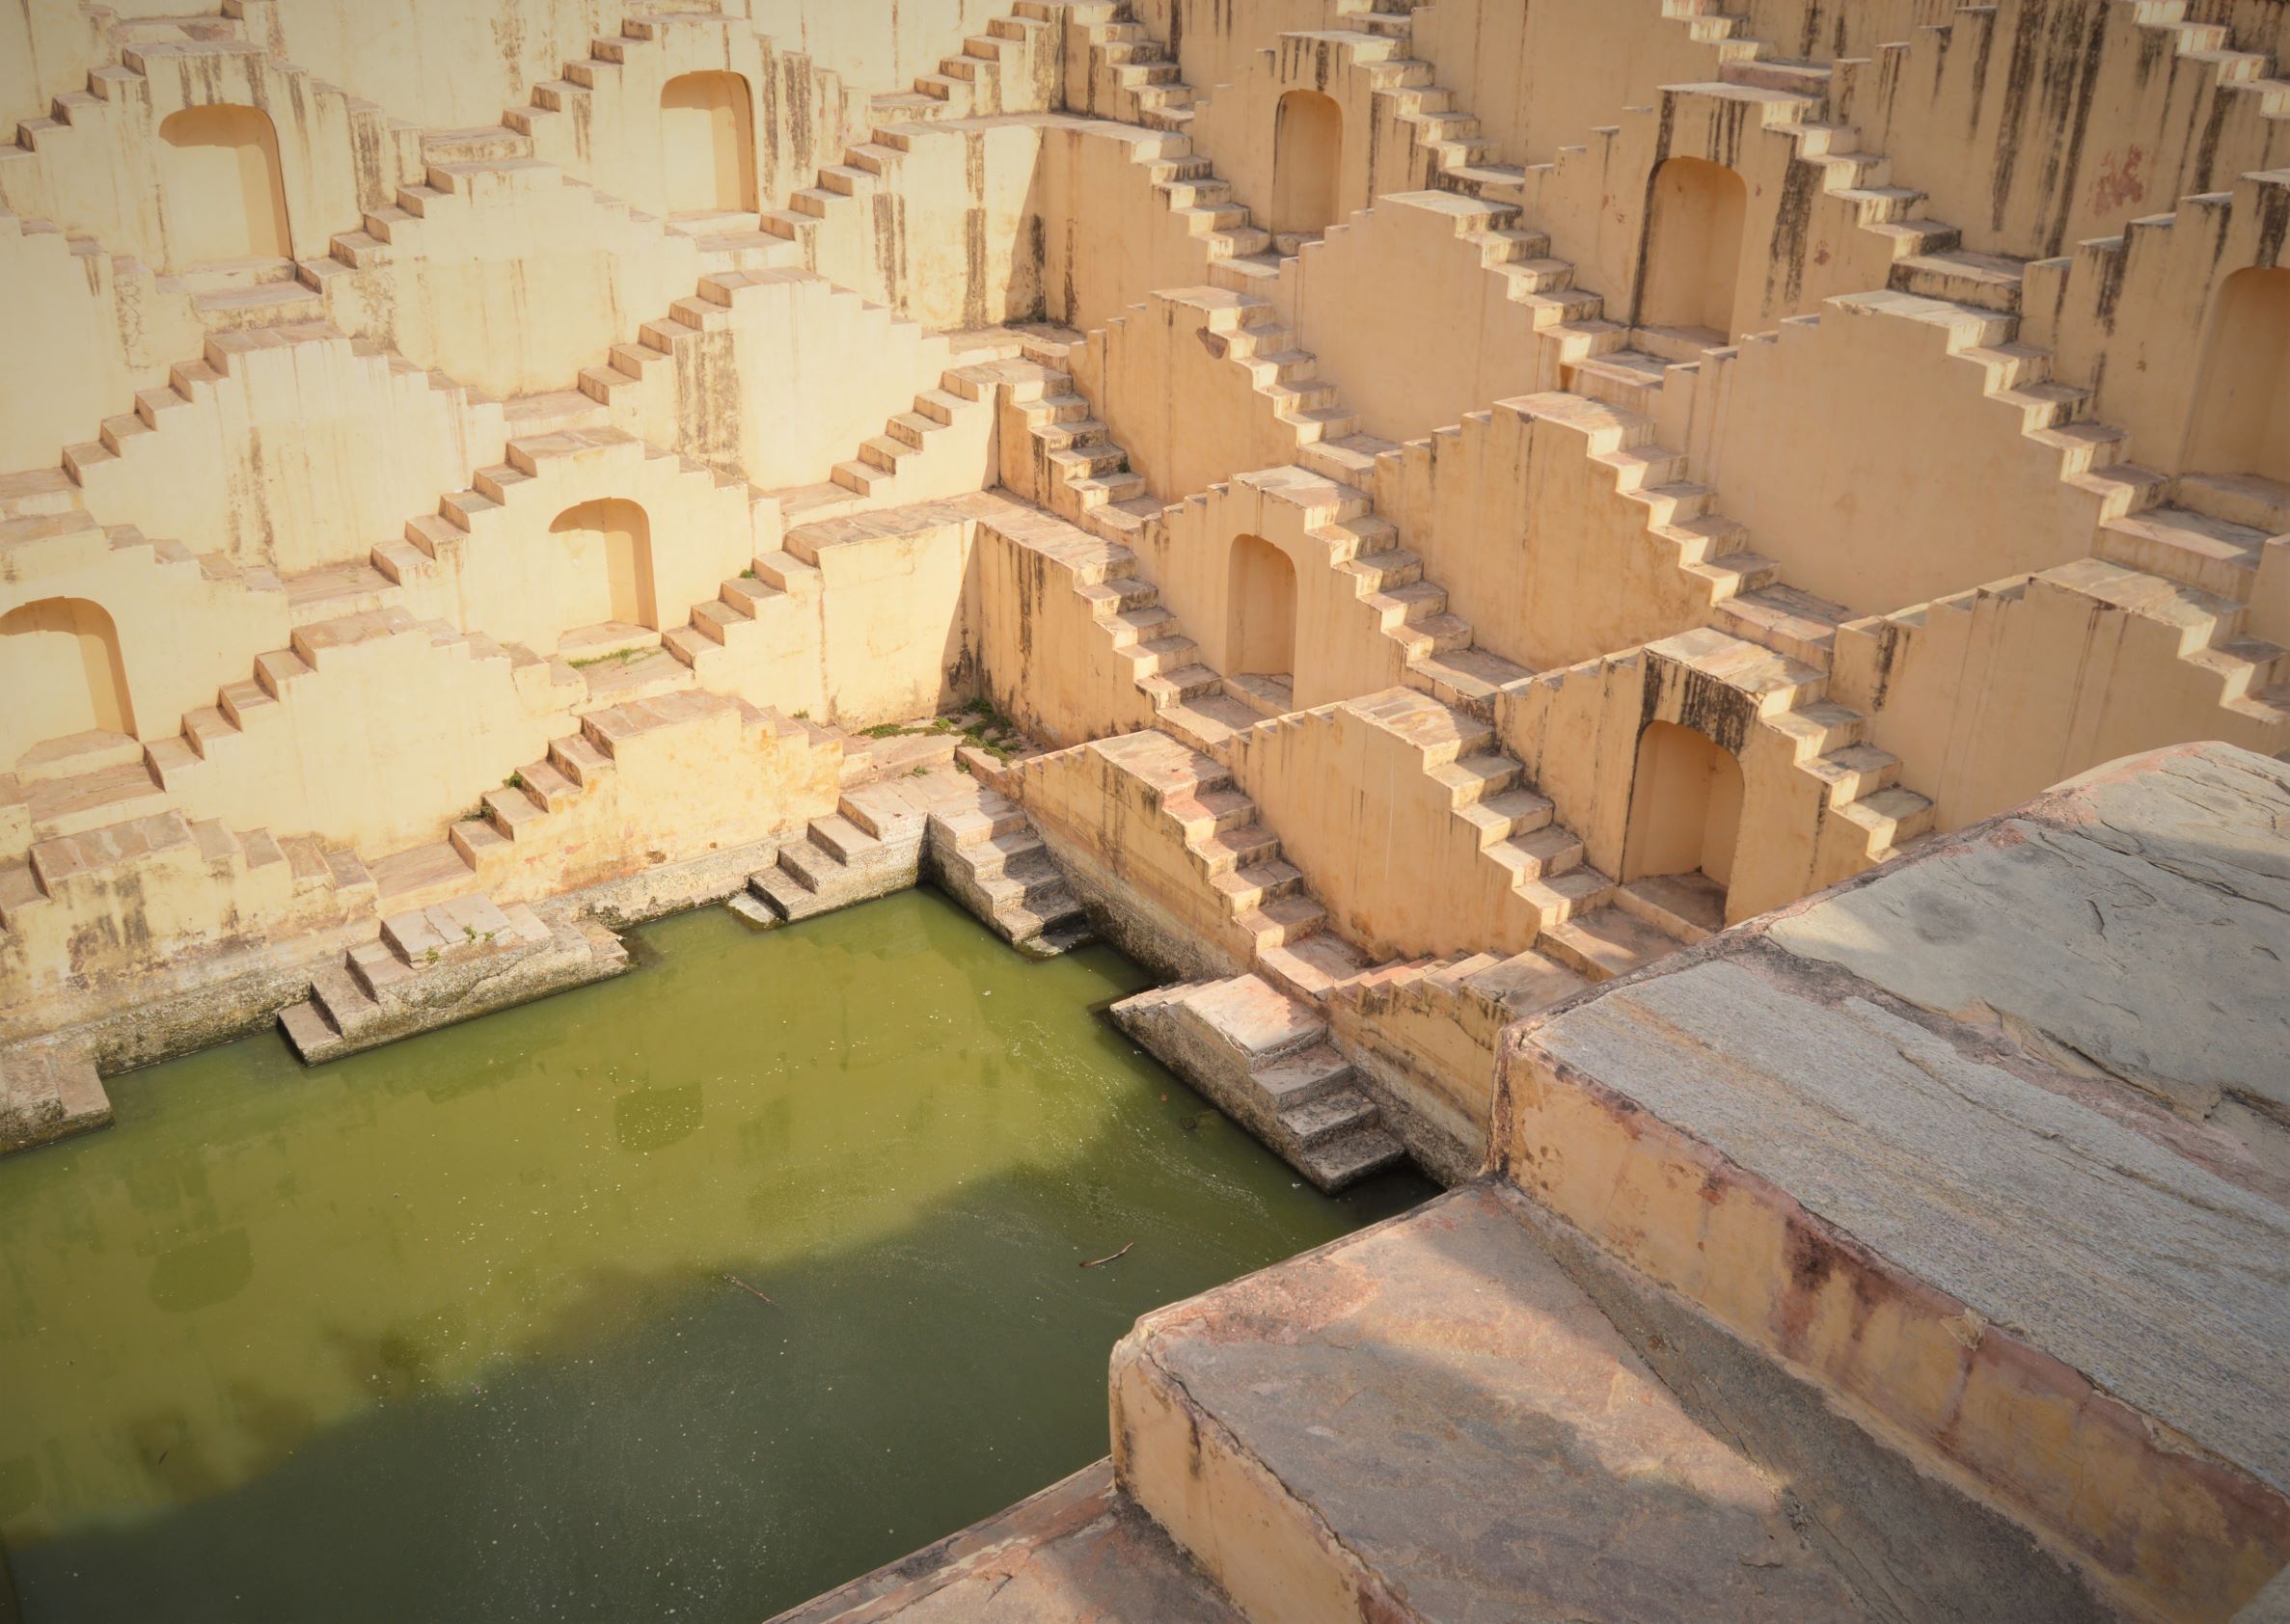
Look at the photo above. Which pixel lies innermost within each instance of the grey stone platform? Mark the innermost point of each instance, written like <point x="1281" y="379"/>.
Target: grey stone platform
<point x="2016" y="1110"/>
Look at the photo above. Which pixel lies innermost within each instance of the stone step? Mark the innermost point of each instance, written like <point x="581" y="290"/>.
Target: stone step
<point x="1351" y="1436"/>
<point x="1606" y="943"/>
<point x="1261" y="1055"/>
<point x="1079" y="1550"/>
<point x="1982" y="1129"/>
<point x="47" y="1094"/>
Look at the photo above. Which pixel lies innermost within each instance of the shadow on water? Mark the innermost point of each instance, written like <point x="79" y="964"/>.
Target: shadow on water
<point x="449" y="1340"/>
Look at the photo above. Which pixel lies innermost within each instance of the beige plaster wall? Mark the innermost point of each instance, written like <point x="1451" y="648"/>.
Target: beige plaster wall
<point x="182" y="632"/>
<point x="1865" y="456"/>
<point x="157" y="895"/>
<point x="1409" y="322"/>
<point x="1161" y="378"/>
<point x="1045" y="658"/>
<point x="292" y="448"/>
<point x="1349" y="789"/>
<point x="79" y="333"/>
<point x="721" y="775"/>
<point x="898" y="614"/>
<point x="948" y="236"/>
<point x="1340" y="649"/>
<point x="1994" y="695"/>
<point x="1526" y="515"/>
<point x="391" y="735"/>
<point x="1096" y="189"/>
<point x="507" y="574"/>
<point x="2131" y="316"/>
<point x="110" y="173"/>
<point x="512" y="281"/>
<point x="776" y="376"/>
<point x="2134" y="124"/>
<point x="46" y="51"/>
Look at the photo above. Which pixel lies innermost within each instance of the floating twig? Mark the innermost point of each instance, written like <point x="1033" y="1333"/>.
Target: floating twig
<point x="744" y="1287"/>
<point x="1108" y="1257"/>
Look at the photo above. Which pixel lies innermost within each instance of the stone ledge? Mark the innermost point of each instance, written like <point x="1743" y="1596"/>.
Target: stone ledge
<point x="1938" y="1137"/>
<point x="1079" y="1550"/>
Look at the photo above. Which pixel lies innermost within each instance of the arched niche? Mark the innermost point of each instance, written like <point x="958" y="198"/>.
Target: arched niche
<point x="1685" y="806"/>
<point x="2241" y="422"/>
<point x="605" y="566"/>
<point x="1693" y="246"/>
<point x="707" y="142"/>
<point x="1307" y="164"/>
<point x="1261" y="615"/>
<point x="219" y="176"/>
<point x="62" y="670"/>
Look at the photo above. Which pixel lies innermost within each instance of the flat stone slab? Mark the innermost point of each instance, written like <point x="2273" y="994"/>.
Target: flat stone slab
<point x="1080" y="1550"/>
<point x="1468" y="1434"/>
<point x="2157" y="1279"/>
<point x="2135" y="925"/>
<point x="1995" y="1138"/>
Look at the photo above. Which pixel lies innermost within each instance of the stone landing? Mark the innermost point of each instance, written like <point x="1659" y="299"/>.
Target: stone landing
<point x="1264" y="1059"/>
<point x="1464" y="1414"/>
<point x="48" y="1093"/>
<point x="448" y="962"/>
<point x="1990" y="1141"/>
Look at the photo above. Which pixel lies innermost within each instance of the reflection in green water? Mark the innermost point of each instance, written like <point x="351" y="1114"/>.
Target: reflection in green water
<point x="444" y="1332"/>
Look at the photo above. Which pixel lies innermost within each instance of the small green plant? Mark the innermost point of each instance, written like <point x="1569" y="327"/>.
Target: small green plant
<point x="617" y="657"/>
<point x="514" y="782"/>
<point x="748" y="574"/>
<point x="989" y="729"/>
<point x="803" y="716"/>
<point x="430" y="957"/>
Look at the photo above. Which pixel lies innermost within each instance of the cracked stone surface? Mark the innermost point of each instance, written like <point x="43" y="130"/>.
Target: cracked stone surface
<point x="2156" y="1278"/>
<point x="1475" y="1435"/>
<point x="2134" y="924"/>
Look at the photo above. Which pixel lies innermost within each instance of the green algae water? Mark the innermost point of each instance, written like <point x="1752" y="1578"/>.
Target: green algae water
<point x="474" y="1327"/>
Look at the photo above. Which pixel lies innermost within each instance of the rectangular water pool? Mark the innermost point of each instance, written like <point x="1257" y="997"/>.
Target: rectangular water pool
<point x="474" y="1327"/>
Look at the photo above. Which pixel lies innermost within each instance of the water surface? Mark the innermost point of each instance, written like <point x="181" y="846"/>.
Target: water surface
<point x="450" y="1330"/>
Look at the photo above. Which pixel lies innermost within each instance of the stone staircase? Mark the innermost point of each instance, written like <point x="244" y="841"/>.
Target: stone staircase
<point x="871" y="480"/>
<point x="965" y="82"/>
<point x="869" y="846"/>
<point x="1132" y="77"/>
<point x="1077" y="472"/>
<point x="1188" y="698"/>
<point x="1282" y="928"/>
<point x="1608" y="1325"/>
<point x="676" y="347"/>
<point x="453" y="180"/>
<point x="1331" y="482"/>
<point x="981" y="848"/>
<point x="1858" y="783"/>
<point x="247" y="872"/>
<point x="464" y="518"/>
<point x="974" y="84"/>
<point x="211" y="734"/>
<point x="2137" y="525"/>
<point x="1267" y="1061"/>
<point x="445" y="962"/>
